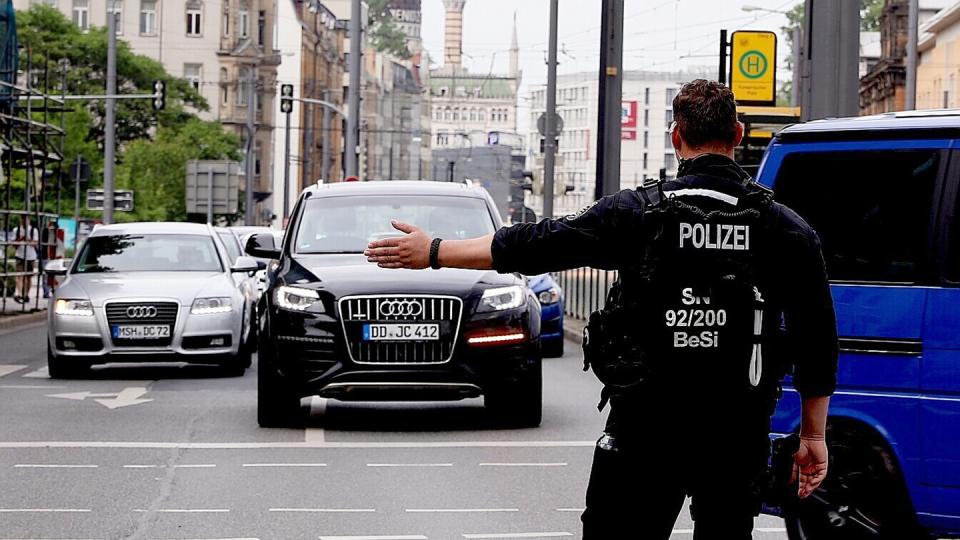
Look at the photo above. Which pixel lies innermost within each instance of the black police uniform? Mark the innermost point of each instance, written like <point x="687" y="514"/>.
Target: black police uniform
<point x="671" y="439"/>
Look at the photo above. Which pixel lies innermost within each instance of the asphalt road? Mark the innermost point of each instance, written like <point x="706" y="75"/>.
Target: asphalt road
<point x="174" y="452"/>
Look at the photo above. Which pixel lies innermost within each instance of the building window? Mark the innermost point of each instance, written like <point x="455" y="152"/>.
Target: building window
<point x="646" y="139"/>
<point x="646" y="96"/>
<point x="81" y="14"/>
<point x="646" y="118"/>
<point x="669" y="162"/>
<point x="671" y="93"/>
<point x="194" y="20"/>
<point x="473" y="115"/>
<point x="667" y="143"/>
<point x="261" y="26"/>
<point x="482" y="115"/>
<point x="226" y="24"/>
<point x="242" y="85"/>
<point x="244" y="23"/>
<point x="447" y="114"/>
<point x="116" y="7"/>
<point x="645" y="163"/>
<point x="669" y="118"/>
<point x="224" y="87"/>
<point x="148" y="17"/>
<point x="193" y="73"/>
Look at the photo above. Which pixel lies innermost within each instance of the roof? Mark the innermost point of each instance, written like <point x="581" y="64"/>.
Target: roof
<point x="152" y="227"/>
<point x="926" y="123"/>
<point x="394" y="188"/>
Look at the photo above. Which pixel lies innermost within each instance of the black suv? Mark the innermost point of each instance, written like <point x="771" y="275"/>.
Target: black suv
<point x="332" y="324"/>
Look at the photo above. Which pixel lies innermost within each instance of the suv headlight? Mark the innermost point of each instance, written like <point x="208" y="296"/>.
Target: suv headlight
<point x="210" y="306"/>
<point x="501" y="298"/>
<point x="549" y="296"/>
<point x="297" y="299"/>
<point x="83" y="308"/>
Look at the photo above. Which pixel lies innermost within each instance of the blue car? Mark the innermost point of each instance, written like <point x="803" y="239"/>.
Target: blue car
<point x="551" y="314"/>
<point x="883" y="194"/>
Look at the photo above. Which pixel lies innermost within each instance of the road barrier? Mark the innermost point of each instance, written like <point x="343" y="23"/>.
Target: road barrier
<point x="584" y="290"/>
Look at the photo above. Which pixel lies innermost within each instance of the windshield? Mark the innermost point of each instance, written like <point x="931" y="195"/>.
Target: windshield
<point x="230" y="242"/>
<point x="348" y="224"/>
<point x="148" y="253"/>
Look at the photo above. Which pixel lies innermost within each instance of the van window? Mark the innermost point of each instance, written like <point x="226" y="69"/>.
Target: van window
<point x="871" y="209"/>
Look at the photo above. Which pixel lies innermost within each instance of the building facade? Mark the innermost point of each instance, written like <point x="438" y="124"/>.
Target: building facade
<point x="883" y="88"/>
<point x="645" y="136"/>
<point x="225" y="49"/>
<point x="464" y="103"/>
<point x="939" y="65"/>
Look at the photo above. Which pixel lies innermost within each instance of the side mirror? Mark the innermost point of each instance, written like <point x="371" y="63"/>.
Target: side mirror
<point x="56" y="267"/>
<point x="244" y="264"/>
<point x="262" y="246"/>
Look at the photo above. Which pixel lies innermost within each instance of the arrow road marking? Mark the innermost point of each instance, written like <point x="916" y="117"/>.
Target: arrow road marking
<point x="41" y="373"/>
<point x="115" y="400"/>
<point x="9" y="368"/>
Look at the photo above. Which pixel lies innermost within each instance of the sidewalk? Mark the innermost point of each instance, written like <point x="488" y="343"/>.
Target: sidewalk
<point x="573" y="329"/>
<point x="14" y="315"/>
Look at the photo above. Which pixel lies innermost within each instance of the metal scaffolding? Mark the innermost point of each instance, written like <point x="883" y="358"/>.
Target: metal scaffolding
<point x="31" y="154"/>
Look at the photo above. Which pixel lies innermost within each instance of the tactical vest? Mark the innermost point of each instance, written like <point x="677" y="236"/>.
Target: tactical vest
<point x="693" y="307"/>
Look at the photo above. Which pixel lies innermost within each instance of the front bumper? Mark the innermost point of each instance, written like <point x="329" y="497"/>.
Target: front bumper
<point x="551" y="321"/>
<point x="194" y="338"/>
<point x="309" y="351"/>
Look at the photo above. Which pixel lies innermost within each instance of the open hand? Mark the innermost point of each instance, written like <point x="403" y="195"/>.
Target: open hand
<point x="411" y="250"/>
<point x="810" y="465"/>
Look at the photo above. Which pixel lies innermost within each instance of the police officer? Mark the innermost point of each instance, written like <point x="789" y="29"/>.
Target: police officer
<point x="697" y="425"/>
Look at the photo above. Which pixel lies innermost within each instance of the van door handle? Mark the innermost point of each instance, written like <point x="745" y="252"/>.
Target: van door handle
<point x="910" y="347"/>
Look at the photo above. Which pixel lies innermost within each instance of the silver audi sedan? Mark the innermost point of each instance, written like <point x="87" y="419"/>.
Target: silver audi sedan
<point x="150" y="292"/>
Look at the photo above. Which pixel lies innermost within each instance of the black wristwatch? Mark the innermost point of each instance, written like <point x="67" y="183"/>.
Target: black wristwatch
<point x="435" y="253"/>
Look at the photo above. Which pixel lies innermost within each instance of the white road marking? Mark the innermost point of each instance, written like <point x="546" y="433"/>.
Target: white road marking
<point x="293" y="445"/>
<point x="327" y="510"/>
<point x="6" y="369"/>
<point x="770" y="529"/>
<point x="377" y="537"/>
<point x="185" y="466"/>
<point x="41" y="373"/>
<point x="284" y="464"/>
<point x="52" y="466"/>
<point x="523" y="464"/>
<point x="31" y="386"/>
<point x="460" y="510"/>
<point x="43" y="510"/>
<point x="519" y="535"/>
<point x="318" y="407"/>
<point x="409" y="464"/>
<point x="185" y="510"/>
<point x="124" y="398"/>
<point x="577" y="510"/>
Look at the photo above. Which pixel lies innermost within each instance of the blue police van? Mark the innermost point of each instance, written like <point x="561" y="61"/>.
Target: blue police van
<point x="883" y="193"/>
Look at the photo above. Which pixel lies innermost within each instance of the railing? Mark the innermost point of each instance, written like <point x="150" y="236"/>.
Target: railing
<point x="584" y="290"/>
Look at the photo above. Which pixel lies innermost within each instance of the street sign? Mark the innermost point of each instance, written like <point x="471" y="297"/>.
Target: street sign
<point x="80" y="170"/>
<point x="122" y="200"/>
<point x="753" y="76"/>
<point x="213" y="187"/>
<point x="542" y="124"/>
<point x="286" y="98"/>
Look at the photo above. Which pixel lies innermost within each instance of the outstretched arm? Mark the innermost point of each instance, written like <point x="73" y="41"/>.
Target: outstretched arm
<point x="413" y="251"/>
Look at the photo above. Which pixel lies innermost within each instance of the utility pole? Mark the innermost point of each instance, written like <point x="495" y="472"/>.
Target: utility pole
<point x="830" y="83"/>
<point x="550" y="145"/>
<point x="286" y="167"/>
<point x="327" y="139"/>
<point x="248" y="213"/>
<point x="353" y="98"/>
<point x="611" y="95"/>
<point x="110" y="116"/>
<point x="797" y="59"/>
<point x="912" y="55"/>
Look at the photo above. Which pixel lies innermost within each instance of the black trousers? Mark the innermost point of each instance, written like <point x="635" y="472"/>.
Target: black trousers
<point x="637" y="491"/>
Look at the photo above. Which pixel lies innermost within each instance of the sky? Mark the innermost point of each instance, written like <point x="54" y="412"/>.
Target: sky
<point x="659" y="35"/>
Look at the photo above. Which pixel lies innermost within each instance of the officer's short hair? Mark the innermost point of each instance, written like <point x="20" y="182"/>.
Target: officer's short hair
<point x="705" y="112"/>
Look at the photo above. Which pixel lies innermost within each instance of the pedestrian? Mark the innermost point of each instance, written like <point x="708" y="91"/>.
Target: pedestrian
<point x="720" y="290"/>
<point x="27" y="238"/>
<point x="53" y="248"/>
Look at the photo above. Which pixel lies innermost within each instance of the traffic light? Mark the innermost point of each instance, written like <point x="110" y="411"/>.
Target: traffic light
<point x="159" y="95"/>
<point x="286" y="98"/>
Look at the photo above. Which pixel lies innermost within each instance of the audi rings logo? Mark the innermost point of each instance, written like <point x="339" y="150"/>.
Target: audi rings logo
<point x="141" y="312"/>
<point x="401" y="308"/>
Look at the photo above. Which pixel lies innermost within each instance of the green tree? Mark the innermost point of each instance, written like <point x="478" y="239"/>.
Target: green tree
<point x="384" y="34"/>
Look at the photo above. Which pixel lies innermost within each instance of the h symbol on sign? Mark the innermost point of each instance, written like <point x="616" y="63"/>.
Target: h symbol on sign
<point x="753" y="64"/>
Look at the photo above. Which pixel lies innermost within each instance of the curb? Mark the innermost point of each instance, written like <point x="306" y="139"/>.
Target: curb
<point x="17" y="321"/>
<point x="573" y="330"/>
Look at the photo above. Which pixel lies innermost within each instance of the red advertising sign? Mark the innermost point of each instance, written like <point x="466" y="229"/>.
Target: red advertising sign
<point x="628" y="115"/>
<point x="628" y="135"/>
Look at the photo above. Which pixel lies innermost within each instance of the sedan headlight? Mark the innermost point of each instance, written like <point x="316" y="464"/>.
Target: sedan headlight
<point x="549" y="296"/>
<point x="210" y="306"/>
<point x="501" y="298"/>
<point x="83" y="308"/>
<point x="298" y="299"/>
